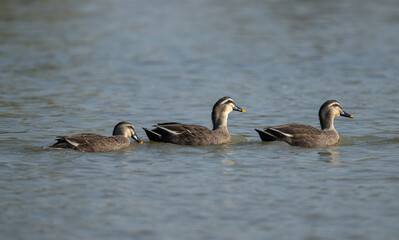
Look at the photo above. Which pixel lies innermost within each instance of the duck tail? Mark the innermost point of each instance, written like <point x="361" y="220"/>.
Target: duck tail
<point x="265" y="136"/>
<point x="60" y="144"/>
<point x="153" y="136"/>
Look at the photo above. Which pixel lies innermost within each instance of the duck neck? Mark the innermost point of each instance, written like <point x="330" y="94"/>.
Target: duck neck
<point x="119" y="132"/>
<point x="219" y="121"/>
<point x="327" y="122"/>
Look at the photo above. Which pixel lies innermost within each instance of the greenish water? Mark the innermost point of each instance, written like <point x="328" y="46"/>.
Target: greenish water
<point x="70" y="66"/>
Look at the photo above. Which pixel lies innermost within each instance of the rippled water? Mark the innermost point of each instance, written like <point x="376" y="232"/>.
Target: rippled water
<point x="70" y="66"/>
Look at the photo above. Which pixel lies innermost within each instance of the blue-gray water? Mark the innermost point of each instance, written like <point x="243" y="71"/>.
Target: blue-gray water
<point x="82" y="66"/>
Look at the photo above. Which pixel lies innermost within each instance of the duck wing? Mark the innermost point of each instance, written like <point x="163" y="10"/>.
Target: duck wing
<point x="91" y="142"/>
<point x="174" y="132"/>
<point x="303" y="135"/>
<point x="74" y="140"/>
<point x="83" y="139"/>
<point x="292" y="130"/>
<point x="281" y="132"/>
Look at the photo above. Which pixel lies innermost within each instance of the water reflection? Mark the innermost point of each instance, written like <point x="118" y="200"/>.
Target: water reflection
<point x="228" y="162"/>
<point x="330" y="155"/>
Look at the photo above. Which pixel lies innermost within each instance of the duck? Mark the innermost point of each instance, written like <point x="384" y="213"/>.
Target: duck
<point x="196" y="135"/>
<point x="305" y="135"/>
<point x="91" y="142"/>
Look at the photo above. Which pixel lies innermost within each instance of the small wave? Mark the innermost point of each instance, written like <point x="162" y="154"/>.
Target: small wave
<point x="367" y="140"/>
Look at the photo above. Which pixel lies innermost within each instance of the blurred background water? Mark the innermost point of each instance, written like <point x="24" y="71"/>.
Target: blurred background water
<point x="69" y="66"/>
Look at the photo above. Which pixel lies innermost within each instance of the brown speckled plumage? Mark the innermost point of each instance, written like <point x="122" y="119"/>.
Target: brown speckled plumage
<point x="91" y="142"/>
<point x="186" y="134"/>
<point x="305" y="135"/>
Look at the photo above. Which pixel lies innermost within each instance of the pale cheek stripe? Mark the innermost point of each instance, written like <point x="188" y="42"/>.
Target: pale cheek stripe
<point x="229" y="99"/>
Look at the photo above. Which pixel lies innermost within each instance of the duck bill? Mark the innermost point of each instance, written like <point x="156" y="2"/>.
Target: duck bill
<point x="236" y="108"/>
<point x="137" y="139"/>
<point x="345" y="114"/>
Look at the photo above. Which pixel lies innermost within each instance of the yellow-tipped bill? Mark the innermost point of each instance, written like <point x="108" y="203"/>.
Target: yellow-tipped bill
<point x="345" y="114"/>
<point x="137" y="139"/>
<point x="236" y="108"/>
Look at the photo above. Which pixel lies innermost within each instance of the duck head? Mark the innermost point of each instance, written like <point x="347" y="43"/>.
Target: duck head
<point x="329" y="111"/>
<point x="126" y="129"/>
<point x="221" y="110"/>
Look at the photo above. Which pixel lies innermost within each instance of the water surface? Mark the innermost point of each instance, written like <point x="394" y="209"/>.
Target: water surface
<point x="70" y="66"/>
